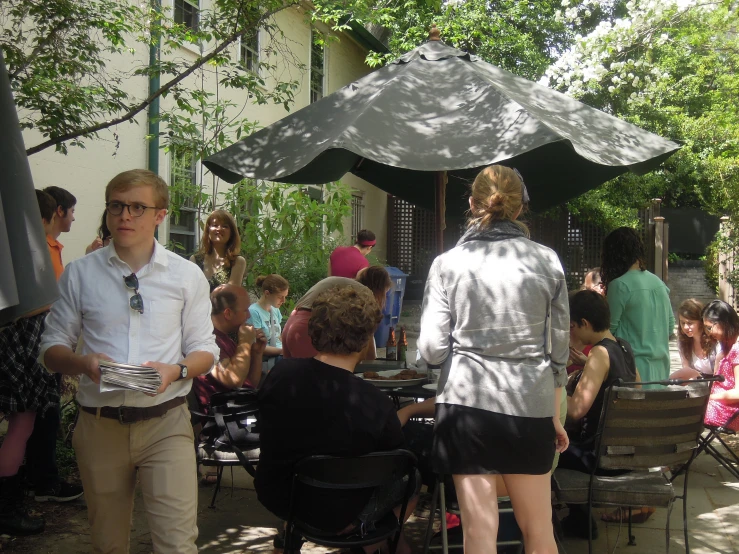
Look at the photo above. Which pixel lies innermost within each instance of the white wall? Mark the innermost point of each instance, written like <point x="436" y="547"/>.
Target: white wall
<point x="85" y="172"/>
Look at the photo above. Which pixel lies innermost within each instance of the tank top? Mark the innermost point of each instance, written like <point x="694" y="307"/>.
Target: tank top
<point x="706" y="365"/>
<point x="220" y="277"/>
<point x="622" y="366"/>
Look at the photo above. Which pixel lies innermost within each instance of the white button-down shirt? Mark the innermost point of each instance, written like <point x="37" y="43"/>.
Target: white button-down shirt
<point x="93" y="309"/>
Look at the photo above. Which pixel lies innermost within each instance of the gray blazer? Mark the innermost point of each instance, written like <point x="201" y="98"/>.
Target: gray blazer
<point x="496" y="317"/>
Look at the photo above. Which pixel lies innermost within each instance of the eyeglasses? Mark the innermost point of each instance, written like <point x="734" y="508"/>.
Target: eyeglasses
<point x="135" y="209"/>
<point x="136" y="302"/>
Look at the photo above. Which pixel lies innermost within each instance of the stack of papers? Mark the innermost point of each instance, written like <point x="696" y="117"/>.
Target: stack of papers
<point x="115" y="376"/>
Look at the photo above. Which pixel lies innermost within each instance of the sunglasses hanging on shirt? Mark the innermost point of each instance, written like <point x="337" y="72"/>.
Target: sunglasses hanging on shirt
<point x="136" y="302"/>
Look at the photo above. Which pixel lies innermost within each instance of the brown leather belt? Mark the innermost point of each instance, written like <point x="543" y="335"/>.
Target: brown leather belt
<point x="127" y="414"/>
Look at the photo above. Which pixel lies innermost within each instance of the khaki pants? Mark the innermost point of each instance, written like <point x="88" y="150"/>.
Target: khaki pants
<point x="109" y="455"/>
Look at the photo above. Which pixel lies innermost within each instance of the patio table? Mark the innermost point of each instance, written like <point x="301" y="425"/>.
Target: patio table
<point x="414" y="392"/>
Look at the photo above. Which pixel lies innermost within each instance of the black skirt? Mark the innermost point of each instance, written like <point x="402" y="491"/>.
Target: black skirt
<point x="470" y="441"/>
<point x="25" y="385"/>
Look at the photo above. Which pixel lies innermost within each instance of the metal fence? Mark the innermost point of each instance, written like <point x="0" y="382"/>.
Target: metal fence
<point x="412" y="244"/>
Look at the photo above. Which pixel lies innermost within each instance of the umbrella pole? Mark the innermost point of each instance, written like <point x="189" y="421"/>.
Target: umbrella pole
<point x="440" y="184"/>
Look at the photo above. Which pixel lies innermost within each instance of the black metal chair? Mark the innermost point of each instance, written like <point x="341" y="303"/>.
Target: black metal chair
<point x="228" y="437"/>
<point x="357" y="473"/>
<point x="446" y="505"/>
<point x="729" y="460"/>
<point x="641" y="429"/>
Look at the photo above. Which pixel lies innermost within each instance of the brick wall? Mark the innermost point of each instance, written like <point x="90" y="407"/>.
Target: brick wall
<point x="686" y="279"/>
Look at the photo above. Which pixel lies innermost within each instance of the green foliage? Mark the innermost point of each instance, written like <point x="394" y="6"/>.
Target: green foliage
<point x="65" y="457"/>
<point x="58" y="54"/>
<point x="671" y="69"/>
<point x="285" y="231"/>
<point x="726" y="243"/>
<point x="605" y="207"/>
<point x="710" y="265"/>
<point x="54" y="50"/>
<point x="66" y="460"/>
<point x="520" y="36"/>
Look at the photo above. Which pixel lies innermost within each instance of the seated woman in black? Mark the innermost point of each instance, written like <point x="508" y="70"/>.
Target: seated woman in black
<point x="317" y="405"/>
<point x="610" y="359"/>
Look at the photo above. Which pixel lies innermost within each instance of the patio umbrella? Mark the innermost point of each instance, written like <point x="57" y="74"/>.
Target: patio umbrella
<point x="27" y="280"/>
<point x="438" y="109"/>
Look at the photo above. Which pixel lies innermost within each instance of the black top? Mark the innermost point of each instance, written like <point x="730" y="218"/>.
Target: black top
<point x="622" y="365"/>
<point x="308" y="407"/>
<point x="220" y="277"/>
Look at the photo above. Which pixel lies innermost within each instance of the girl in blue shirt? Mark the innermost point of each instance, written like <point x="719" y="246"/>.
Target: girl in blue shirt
<point x="265" y="314"/>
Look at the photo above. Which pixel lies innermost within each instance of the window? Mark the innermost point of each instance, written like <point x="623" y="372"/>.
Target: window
<point x="357" y="214"/>
<point x="187" y="13"/>
<point x="249" y="52"/>
<point x="183" y="182"/>
<point x="315" y="193"/>
<point x="317" y="52"/>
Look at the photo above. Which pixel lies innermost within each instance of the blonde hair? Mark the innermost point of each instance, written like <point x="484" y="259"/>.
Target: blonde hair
<point x="497" y="195"/>
<point x="138" y="178"/>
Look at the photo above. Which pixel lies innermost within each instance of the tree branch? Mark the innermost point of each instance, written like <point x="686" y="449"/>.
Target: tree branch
<point x="138" y="108"/>
<point x="38" y="48"/>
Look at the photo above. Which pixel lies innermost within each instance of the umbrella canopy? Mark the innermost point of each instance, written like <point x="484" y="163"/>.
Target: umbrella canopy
<point x="441" y="109"/>
<point x="27" y="280"/>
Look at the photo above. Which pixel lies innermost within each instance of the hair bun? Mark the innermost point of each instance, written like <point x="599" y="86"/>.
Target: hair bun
<point x="496" y="204"/>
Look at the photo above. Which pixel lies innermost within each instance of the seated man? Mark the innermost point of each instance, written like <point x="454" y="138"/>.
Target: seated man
<point x="240" y="363"/>
<point x="316" y="405"/>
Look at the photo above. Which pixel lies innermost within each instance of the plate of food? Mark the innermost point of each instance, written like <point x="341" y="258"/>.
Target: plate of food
<point x="393" y="378"/>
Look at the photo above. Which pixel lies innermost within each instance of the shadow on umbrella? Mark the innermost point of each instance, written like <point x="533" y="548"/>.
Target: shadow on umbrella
<point x="439" y="109"/>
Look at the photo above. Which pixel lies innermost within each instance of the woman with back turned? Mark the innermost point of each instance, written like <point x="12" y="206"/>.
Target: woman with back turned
<point x="639" y="301"/>
<point x="495" y="316"/>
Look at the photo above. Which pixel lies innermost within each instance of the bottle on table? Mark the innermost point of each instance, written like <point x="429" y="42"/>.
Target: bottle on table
<point x="402" y="345"/>
<point x="391" y="348"/>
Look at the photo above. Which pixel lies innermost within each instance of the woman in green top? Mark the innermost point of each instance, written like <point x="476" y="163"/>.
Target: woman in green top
<point x="639" y="302"/>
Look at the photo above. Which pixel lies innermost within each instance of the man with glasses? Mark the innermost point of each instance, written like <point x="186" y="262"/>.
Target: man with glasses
<point x="134" y="302"/>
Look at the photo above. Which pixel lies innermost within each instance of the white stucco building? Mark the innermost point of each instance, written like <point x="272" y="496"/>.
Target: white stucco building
<point x="86" y="171"/>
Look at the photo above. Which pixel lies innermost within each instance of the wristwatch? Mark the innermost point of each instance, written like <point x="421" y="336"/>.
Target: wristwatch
<point x="183" y="371"/>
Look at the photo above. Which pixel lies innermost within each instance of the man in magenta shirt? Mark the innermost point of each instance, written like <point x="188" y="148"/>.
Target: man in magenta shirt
<point x="347" y="261"/>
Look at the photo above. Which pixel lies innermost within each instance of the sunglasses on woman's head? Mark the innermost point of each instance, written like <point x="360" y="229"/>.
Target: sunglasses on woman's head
<point x="524" y="191"/>
<point x="136" y="302"/>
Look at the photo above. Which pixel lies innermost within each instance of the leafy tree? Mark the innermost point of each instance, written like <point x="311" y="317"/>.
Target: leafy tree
<point x="671" y="68"/>
<point x="524" y="37"/>
<point x="288" y="231"/>
<point x="58" y="53"/>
